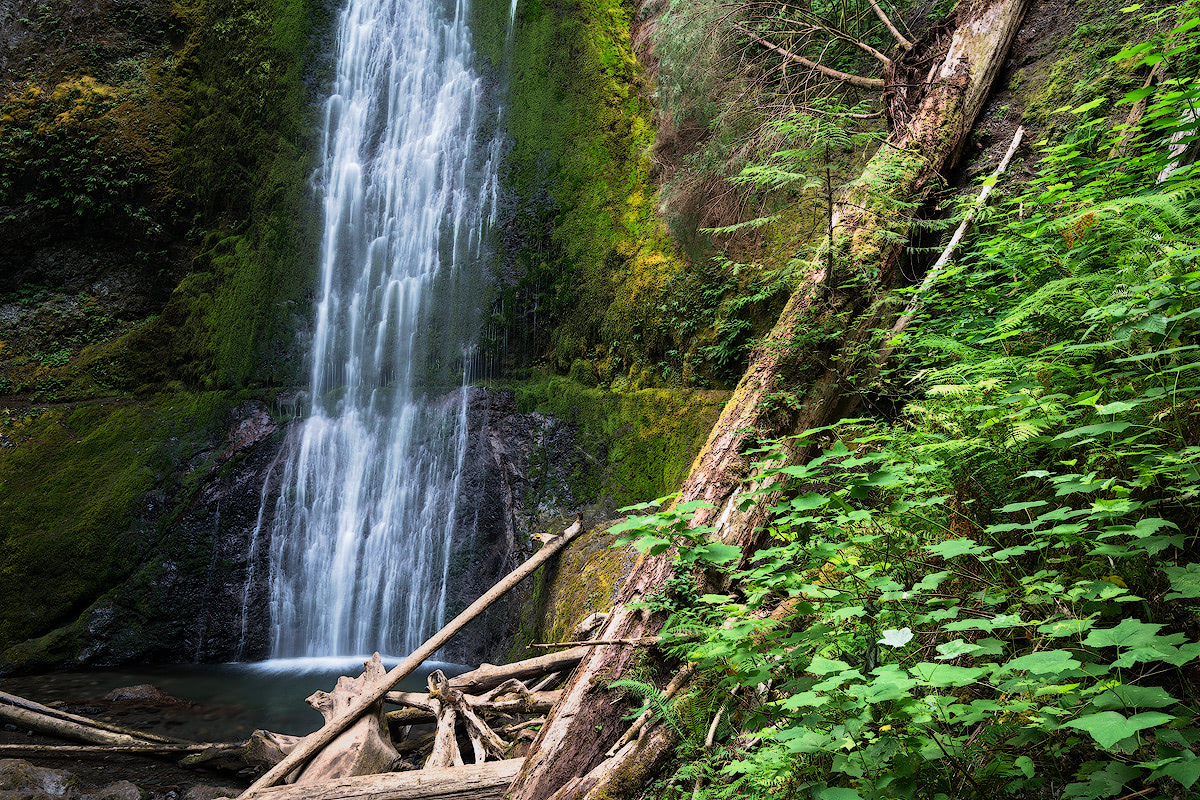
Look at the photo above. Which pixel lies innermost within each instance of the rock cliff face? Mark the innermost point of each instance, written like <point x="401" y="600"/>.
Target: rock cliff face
<point x="202" y="592"/>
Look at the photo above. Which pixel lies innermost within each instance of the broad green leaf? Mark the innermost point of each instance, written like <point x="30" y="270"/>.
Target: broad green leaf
<point x="1110" y="727"/>
<point x="955" y="649"/>
<point x="1186" y="770"/>
<point x="1184" y="580"/>
<point x="1129" y="633"/>
<point x="824" y="666"/>
<point x="1025" y="764"/>
<point x="1094" y="430"/>
<point x="1123" y="696"/>
<point x="837" y="793"/>
<point x="807" y="502"/>
<point x="896" y="638"/>
<point x="945" y="675"/>
<point x="717" y="553"/>
<point x="955" y="547"/>
<point x="1168" y="653"/>
<point x="1065" y="627"/>
<point x="1046" y="662"/>
<point x="995" y="623"/>
<point x="1013" y="507"/>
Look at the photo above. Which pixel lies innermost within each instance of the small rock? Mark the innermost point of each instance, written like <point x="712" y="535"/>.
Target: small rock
<point x="121" y="790"/>
<point x="36" y="782"/>
<point x="203" y="791"/>
<point x="142" y="693"/>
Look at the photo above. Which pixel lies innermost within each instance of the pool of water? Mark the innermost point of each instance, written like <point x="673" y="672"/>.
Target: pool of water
<point x="218" y="702"/>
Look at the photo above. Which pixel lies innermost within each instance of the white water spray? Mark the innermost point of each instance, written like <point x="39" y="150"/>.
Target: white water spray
<point x="362" y="528"/>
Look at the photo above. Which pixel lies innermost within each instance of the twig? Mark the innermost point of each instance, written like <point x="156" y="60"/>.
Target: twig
<point x="939" y="266"/>
<point x="596" y="642"/>
<point x="904" y="43"/>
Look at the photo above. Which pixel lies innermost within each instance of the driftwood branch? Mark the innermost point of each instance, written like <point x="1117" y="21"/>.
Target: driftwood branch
<point x="73" y="750"/>
<point x="69" y="729"/>
<point x="487" y="781"/>
<point x="873" y="84"/>
<point x="334" y="727"/>
<point x="489" y="676"/>
<point x="420" y="706"/>
<point x="38" y="708"/>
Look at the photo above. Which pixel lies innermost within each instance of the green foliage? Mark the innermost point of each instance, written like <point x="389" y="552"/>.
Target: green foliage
<point x="994" y="594"/>
<point x="585" y="255"/>
<point x="641" y="442"/>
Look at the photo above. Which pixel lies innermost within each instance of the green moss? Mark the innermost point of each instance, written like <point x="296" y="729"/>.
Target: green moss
<point x="81" y="494"/>
<point x="582" y="229"/>
<point x="581" y="581"/>
<point x="650" y="436"/>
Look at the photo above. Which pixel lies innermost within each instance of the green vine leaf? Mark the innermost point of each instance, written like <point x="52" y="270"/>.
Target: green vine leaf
<point x="1110" y="727"/>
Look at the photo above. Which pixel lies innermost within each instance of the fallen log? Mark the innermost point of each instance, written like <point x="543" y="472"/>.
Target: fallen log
<point x="364" y="747"/>
<point x="67" y="729"/>
<point x="38" y="708"/>
<point x="868" y="231"/>
<point x="333" y="727"/>
<point x="489" y="676"/>
<point x="487" y="781"/>
<point x="75" y="750"/>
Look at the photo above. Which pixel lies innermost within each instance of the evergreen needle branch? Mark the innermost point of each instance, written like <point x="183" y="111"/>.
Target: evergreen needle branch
<point x="874" y="84"/>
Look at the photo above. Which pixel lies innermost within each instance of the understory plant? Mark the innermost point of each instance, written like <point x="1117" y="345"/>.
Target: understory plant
<point x="993" y="592"/>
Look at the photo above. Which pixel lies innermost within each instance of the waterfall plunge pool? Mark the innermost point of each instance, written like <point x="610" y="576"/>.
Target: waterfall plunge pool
<point x="217" y="702"/>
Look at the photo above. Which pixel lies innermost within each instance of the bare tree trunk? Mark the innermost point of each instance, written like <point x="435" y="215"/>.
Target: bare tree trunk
<point x="872" y="221"/>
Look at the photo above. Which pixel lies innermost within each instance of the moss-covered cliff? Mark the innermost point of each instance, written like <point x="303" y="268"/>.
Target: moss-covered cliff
<point x="154" y="270"/>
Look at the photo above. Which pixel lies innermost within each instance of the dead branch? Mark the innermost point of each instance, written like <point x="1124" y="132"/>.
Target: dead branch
<point x="334" y="727"/>
<point x="677" y="683"/>
<point x="75" y="750"/>
<point x="873" y="84"/>
<point x="939" y="266"/>
<point x="597" y="642"/>
<point x="68" y="729"/>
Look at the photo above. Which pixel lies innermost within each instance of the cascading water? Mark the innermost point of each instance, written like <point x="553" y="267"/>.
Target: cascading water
<point x="362" y="527"/>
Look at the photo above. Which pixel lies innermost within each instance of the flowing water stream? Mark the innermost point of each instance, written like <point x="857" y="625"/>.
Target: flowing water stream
<point x="361" y="531"/>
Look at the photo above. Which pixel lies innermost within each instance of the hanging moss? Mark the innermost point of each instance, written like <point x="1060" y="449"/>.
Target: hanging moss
<point x="579" y="222"/>
<point x="82" y="492"/>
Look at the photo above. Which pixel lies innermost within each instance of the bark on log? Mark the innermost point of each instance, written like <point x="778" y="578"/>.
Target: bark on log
<point x="315" y="741"/>
<point x="487" y="781"/>
<point x="871" y="223"/>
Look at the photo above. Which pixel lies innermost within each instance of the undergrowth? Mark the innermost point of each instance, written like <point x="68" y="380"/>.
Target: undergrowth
<point x="994" y="593"/>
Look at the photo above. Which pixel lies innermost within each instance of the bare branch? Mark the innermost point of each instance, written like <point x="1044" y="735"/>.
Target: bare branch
<point x="904" y="43"/>
<point x="874" y="84"/>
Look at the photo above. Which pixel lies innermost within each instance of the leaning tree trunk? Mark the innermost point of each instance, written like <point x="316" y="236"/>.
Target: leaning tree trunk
<point x="570" y="757"/>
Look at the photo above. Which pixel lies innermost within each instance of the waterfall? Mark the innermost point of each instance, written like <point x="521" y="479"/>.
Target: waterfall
<point x="361" y="532"/>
